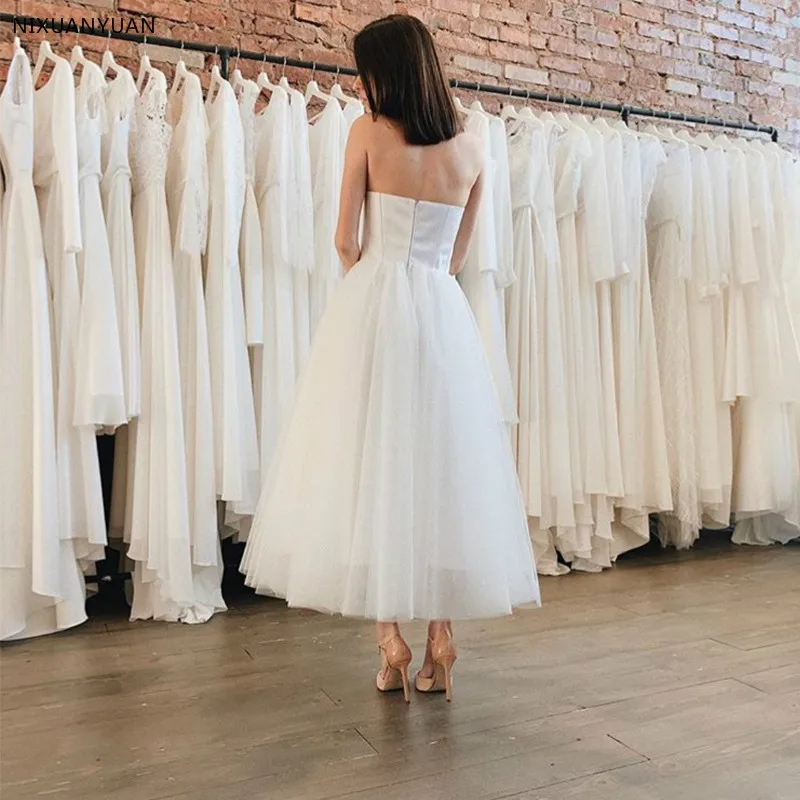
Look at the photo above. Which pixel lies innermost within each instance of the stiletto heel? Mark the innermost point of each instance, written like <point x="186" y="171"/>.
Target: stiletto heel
<point x="398" y="656"/>
<point x="444" y="655"/>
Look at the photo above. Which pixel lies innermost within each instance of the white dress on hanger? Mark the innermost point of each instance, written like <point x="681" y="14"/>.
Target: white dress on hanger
<point x="120" y="96"/>
<point x="251" y="256"/>
<point x="187" y="200"/>
<point x="478" y="278"/>
<point x="669" y="234"/>
<point x="301" y="223"/>
<point x="328" y="132"/>
<point x="274" y="364"/>
<point x="236" y="446"/>
<point x="56" y="176"/>
<point x="100" y="390"/>
<point x="160" y="539"/>
<point x="41" y="588"/>
<point x="396" y="497"/>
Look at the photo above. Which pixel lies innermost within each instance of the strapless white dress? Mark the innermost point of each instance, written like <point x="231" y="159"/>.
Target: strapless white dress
<point x="393" y="494"/>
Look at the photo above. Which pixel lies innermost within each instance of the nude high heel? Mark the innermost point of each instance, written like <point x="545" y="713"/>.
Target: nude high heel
<point x="444" y="655"/>
<point x="397" y="657"/>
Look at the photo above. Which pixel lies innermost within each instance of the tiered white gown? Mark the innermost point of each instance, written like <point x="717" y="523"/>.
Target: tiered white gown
<point x="187" y="200"/>
<point x="396" y="497"/>
<point x="235" y="441"/>
<point x="116" y="187"/>
<point x="41" y="588"/>
<point x="100" y="390"/>
<point x="160" y="540"/>
<point x="56" y="176"/>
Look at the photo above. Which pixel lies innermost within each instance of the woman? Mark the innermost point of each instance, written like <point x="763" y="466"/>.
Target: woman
<point x="393" y="494"/>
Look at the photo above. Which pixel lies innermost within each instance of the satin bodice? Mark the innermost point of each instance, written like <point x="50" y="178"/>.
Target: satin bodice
<point x="414" y="232"/>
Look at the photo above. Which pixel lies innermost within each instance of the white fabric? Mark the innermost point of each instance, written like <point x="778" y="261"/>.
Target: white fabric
<point x="41" y="588"/>
<point x="236" y="446"/>
<point x="415" y="509"/>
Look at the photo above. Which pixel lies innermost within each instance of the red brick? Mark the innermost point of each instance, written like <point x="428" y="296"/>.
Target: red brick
<point x="450" y="22"/>
<point x="735" y="18"/>
<point x="465" y="7"/>
<point x="208" y="15"/>
<point x="162" y="9"/>
<point x="587" y="33"/>
<point x="777" y="31"/>
<point x="609" y="72"/>
<point x="657" y="32"/>
<point x="511" y="16"/>
<point x="578" y="87"/>
<point x="757" y="9"/>
<point x="613" y="55"/>
<point x="514" y="35"/>
<point x="697" y="42"/>
<point x="684" y="22"/>
<point x="642" y="10"/>
<point x="573" y="12"/>
<point x="757" y="40"/>
<point x="460" y="44"/>
<point x="733" y="50"/>
<point x="698" y="9"/>
<point x="611" y="6"/>
<point x="512" y="54"/>
<point x="514" y="72"/>
<point x="721" y="95"/>
<point x="568" y="47"/>
<point x="641" y="45"/>
<point x="480" y="65"/>
<point x="562" y="64"/>
<point x="680" y="53"/>
<point x="540" y="23"/>
<point x="484" y="30"/>
<point x="721" y="31"/>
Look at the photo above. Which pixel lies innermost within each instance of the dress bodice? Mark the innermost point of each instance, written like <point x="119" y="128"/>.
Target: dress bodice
<point x="152" y="135"/>
<point x="90" y="119"/>
<point x="414" y="232"/>
<point x="16" y="120"/>
<point x="121" y="94"/>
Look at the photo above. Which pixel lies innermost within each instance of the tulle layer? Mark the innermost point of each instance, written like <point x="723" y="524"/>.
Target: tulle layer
<point x="393" y="493"/>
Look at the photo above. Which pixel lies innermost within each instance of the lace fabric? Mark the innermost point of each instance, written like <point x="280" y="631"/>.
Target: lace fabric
<point x="151" y="135"/>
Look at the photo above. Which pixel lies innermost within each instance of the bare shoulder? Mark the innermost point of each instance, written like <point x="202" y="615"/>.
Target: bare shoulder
<point x="469" y="151"/>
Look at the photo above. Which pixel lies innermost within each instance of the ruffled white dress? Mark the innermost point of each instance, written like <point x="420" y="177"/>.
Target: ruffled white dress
<point x="236" y="446"/>
<point x="396" y="497"/>
<point x="116" y="188"/>
<point x="100" y="390"/>
<point x="187" y="201"/>
<point x="56" y="176"/>
<point x="41" y="588"/>
<point x="158" y="526"/>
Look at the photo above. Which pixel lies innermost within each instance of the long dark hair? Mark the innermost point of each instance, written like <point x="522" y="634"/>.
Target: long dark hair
<point x="403" y="78"/>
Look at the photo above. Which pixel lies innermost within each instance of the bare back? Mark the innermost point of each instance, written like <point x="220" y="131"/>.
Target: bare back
<point x="380" y="160"/>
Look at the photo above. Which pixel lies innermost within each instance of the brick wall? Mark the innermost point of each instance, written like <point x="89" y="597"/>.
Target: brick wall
<point x="732" y="58"/>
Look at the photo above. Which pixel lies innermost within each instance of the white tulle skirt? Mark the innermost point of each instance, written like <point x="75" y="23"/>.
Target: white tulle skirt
<point x="393" y="494"/>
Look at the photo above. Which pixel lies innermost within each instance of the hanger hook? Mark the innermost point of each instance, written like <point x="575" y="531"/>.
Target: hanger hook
<point x="283" y="71"/>
<point x="477" y="89"/>
<point x="313" y="69"/>
<point x="338" y="70"/>
<point x="183" y="45"/>
<point x="238" y="55"/>
<point x="527" y="96"/>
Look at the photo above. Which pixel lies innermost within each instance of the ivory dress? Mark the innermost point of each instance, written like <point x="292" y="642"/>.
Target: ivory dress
<point x="116" y="188"/>
<point x="160" y="539"/>
<point x="236" y="446"/>
<point x="100" y="390"/>
<point x="187" y="200"/>
<point x="56" y="176"/>
<point x="41" y="588"/>
<point x="274" y="363"/>
<point x="397" y="497"/>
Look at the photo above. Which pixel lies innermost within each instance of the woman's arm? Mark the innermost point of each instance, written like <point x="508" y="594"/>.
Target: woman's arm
<point x="467" y="227"/>
<point x="354" y="190"/>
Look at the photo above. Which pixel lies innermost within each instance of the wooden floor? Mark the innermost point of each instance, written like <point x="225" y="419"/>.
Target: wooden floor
<point x="670" y="677"/>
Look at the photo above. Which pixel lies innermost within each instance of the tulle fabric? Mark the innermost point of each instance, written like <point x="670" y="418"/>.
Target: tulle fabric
<point x="393" y="494"/>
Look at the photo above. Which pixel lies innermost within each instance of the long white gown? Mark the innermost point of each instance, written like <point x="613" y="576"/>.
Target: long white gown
<point x="187" y="201"/>
<point x="116" y="188"/>
<point x="274" y="363"/>
<point x="236" y="447"/>
<point x="478" y="278"/>
<point x="56" y="176"/>
<point x="100" y="390"/>
<point x="251" y="255"/>
<point x="41" y="588"/>
<point x="160" y="540"/>
<point x="396" y="497"/>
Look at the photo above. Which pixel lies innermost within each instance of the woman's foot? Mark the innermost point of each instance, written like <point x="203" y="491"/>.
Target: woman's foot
<point x="440" y="655"/>
<point x="395" y="658"/>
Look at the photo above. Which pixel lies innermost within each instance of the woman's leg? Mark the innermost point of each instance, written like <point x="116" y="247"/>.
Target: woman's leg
<point x="386" y="631"/>
<point x="434" y="628"/>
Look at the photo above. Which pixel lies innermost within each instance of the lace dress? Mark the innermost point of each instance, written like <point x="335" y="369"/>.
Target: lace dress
<point x="100" y="390"/>
<point x="160" y="540"/>
<point x="251" y="255"/>
<point x="56" y="176"/>
<point x="187" y="200"/>
<point x="116" y="188"/>
<point x="236" y="446"/>
<point x="41" y="588"/>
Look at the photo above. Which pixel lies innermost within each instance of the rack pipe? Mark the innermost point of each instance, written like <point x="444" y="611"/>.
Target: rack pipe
<point x="225" y="53"/>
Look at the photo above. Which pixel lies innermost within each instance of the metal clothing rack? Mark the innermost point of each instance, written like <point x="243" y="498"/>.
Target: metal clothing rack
<point x="225" y="53"/>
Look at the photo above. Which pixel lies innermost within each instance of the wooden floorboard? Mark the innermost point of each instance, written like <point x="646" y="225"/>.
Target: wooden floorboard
<point x="672" y="677"/>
